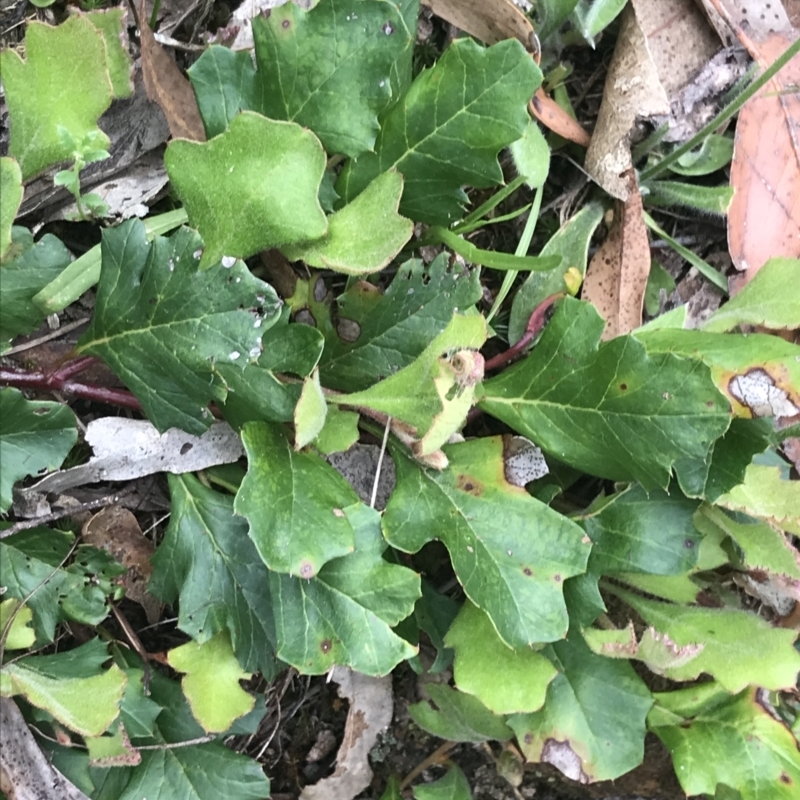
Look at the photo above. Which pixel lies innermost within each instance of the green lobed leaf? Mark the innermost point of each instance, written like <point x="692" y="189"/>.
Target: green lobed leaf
<point x="60" y="684"/>
<point x="207" y="562"/>
<point x="200" y="772"/>
<point x="739" y="648"/>
<point x="211" y="681"/>
<point x="609" y="409"/>
<point x="571" y="241"/>
<point x="35" y="436"/>
<point x="339" y="433"/>
<point x="448" y="128"/>
<point x="458" y="717"/>
<point x="634" y="531"/>
<point x="265" y="176"/>
<point x="35" y="266"/>
<point x="43" y="95"/>
<point x="293" y="502"/>
<point x="453" y="786"/>
<point x="727" y="741"/>
<point x="365" y="235"/>
<point x="763" y="301"/>
<point x="434" y="393"/>
<point x="11" y="191"/>
<point x="592" y="725"/>
<point x="109" y="22"/>
<point x="346" y="613"/>
<point x="511" y="565"/>
<point x="310" y="412"/>
<point x="309" y="60"/>
<point x="162" y="346"/>
<point x="591" y="17"/>
<point x="481" y="656"/>
<point x="386" y="332"/>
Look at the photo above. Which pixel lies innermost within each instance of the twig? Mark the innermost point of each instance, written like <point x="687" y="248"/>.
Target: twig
<point x="380" y="462"/>
<point x="26" y="524"/>
<point x="21" y="348"/>
<point x="137" y="646"/>
<point x="436" y="757"/>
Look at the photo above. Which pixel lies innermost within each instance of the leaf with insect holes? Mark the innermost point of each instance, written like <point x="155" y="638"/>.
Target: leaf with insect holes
<point x="211" y="682"/>
<point x="592" y="725"/>
<point x="514" y="576"/>
<point x="387" y="331"/>
<point x="610" y="409"/>
<point x="163" y="347"/>
<point x="293" y="502"/>
<point x="448" y="128"/>
<point x="266" y="176"/>
<point x="435" y="392"/>
<point x="35" y="436"/>
<point x="64" y="81"/>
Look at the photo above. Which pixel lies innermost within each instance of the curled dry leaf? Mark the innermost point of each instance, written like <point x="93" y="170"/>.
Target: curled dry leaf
<point x="370" y="714"/>
<point x="117" y="531"/>
<point x="617" y="275"/>
<point x="169" y="87"/>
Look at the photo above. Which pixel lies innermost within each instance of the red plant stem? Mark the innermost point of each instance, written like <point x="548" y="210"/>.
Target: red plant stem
<point x="71" y="368"/>
<point x="55" y="383"/>
<point x="532" y="329"/>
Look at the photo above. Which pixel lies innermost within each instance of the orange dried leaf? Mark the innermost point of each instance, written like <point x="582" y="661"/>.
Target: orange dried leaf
<point x="617" y="275"/>
<point x="764" y="217"/>
<point x="552" y="116"/>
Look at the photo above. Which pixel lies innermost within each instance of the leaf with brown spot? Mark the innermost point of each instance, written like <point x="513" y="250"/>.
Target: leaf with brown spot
<point x="169" y="87"/>
<point x="617" y="275"/>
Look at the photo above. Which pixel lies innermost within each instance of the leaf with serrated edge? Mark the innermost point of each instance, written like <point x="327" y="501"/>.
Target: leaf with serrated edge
<point x="764" y="493"/>
<point x="511" y="565"/>
<point x="393" y="328"/>
<point x="739" y="648"/>
<point x="211" y="682"/>
<point x="448" y="128"/>
<point x="592" y="725"/>
<point x="162" y="346"/>
<point x="733" y="741"/>
<point x="480" y="656"/>
<point x="293" y="502"/>
<point x="35" y="435"/>
<point x="365" y="235"/>
<point x="251" y="188"/>
<point x="309" y="60"/>
<point x="64" y="82"/>
<point x="208" y="562"/>
<point x="612" y="410"/>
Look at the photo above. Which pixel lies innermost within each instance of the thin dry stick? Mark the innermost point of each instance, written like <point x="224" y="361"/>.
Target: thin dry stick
<point x="137" y="646"/>
<point x="436" y="757"/>
<point x="20" y="348"/>
<point x="380" y="462"/>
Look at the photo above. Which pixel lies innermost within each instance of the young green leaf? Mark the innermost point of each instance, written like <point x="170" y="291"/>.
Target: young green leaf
<point x="309" y="60"/>
<point x="162" y="345"/>
<point x="109" y="22"/>
<point x="714" y="153"/>
<point x="310" y="412"/>
<point x="253" y="187"/>
<point x="207" y="562"/>
<point x="20" y="636"/>
<point x="458" y="717"/>
<point x="449" y="127"/>
<point x="739" y="648"/>
<point x="710" y="199"/>
<point x="592" y="725"/>
<point x="211" y="684"/>
<point x="609" y="409"/>
<point x="365" y="235"/>
<point x="60" y="684"/>
<point x="514" y="576"/>
<point x="35" y="436"/>
<point x="379" y="334"/>
<point x="480" y="656"/>
<point x="339" y="433"/>
<point x="531" y="155"/>
<point x="730" y="741"/>
<point x="293" y="502"/>
<point x="454" y="786"/>
<point x="42" y="95"/>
